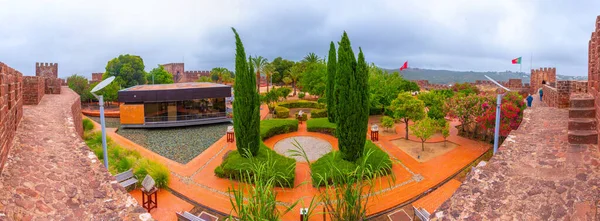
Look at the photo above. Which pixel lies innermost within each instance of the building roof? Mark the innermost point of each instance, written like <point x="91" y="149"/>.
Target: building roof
<point x="173" y="92"/>
<point x="176" y="86"/>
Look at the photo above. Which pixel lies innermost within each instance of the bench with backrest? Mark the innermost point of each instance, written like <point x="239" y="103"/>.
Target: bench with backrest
<point x="126" y="179"/>
<point x="188" y="216"/>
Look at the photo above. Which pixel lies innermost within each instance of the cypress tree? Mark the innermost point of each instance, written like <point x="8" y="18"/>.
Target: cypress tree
<point x="331" y="96"/>
<point x="363" y="96"/>
<point x="246" y="111"/>
<point x="351" y="123"/>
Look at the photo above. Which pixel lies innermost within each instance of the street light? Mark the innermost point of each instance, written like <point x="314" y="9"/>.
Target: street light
<point x="100" y="98"/>
<point x="498" y="104"/>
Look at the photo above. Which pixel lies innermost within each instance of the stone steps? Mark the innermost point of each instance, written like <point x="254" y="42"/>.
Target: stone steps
<point x="582" y="120"/>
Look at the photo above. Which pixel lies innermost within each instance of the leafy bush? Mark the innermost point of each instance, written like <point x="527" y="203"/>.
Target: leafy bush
<point x="377" y="160"/>
<point x="282" y="112"/>
<point x="236" y="167"/>
<point x="301" y="95"/>
<point x="88" y="125"/>
<point x="321" y="125"/>
<point x="303" y="118"/>
<point x="301" y="104"/>
<point x="269" y="128"/>
<point x="387" y="122"/>
<point x="121" y="160"/>
<point x="318" y="113"/>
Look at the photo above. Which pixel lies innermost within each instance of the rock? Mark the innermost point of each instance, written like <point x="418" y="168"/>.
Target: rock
<point x="26" y="204"/>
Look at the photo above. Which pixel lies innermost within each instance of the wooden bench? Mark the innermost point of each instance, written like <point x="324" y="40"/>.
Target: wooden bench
<point x="126" y="178"/>
<point x="188" y="216"/>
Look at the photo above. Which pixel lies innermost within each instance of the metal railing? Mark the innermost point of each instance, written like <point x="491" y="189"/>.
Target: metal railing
<point x="190" y="117"/>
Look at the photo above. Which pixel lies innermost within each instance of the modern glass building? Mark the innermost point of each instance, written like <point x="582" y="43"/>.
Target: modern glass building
<point x="172" y="105"/>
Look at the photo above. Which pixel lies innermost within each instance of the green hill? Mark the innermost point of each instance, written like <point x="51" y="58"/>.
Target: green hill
<point x="450" y="77"/>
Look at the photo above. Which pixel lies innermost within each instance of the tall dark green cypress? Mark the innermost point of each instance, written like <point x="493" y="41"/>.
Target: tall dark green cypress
<point x="362" y="93"/>
<point x="331" y="96"/>
<point x="246" y="110"/>
<point x="351" y="120"/>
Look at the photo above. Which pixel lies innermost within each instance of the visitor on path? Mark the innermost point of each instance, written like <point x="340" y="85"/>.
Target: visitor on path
<point x="529" y="100"/>
<point x="541" y="94"/>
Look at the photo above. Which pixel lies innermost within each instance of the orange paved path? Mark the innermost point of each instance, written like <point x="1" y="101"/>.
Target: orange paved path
<point x="435" y="199"/>
<point x="196" y="179"/>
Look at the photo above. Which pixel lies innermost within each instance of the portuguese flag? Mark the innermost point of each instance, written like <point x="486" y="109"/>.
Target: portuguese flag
<point x="516" y="60"/>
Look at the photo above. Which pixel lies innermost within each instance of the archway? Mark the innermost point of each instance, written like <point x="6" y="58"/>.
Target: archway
<point x="543" y="81"/>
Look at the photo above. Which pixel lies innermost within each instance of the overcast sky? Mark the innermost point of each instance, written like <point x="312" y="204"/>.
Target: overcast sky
<point x="478" y="35"/>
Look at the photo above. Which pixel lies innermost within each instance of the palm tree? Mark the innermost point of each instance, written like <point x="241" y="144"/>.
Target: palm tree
<point x="259" y="64"/>
<point x="311" y="58"/>
<point x="294" y="76"/>
<point x="217" y="74"/>
<point x="269" y="71"/>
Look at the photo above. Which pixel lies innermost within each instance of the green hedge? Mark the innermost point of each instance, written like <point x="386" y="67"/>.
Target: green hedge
<point x="301" y="104"/>
<point x="234" y="166"/>
<point x="304" y="116"/>
<point x="321" y="125"/>
<point x="282" y="112"/>
<point x="269" y="128"/>
<point x="121" y="160"/>
<point x="332" y="162"/>
<point x="318" y="113"/>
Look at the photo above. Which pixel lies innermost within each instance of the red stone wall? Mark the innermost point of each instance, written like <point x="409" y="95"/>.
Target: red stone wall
<point x="52" y="85"/>
<point x="97" y="77"/>
<point x="77" y="118"/>
<point x="193" y="76"/>
<point x="550" y="96"/>
<point x="540" y="75"/>
<point x="49" y="70"/>
<point x="514" y="83"/>
<point x="559" y="94"/>
<point x="11" y="108"/>
<point x="33" y="90"/>
<point x="174" y="69"/>
<point x="594" y="68"/>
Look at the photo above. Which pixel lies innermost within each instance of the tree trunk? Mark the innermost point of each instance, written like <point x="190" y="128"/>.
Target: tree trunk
<point x="267" y="84"/>
<point x="423" y="146"/>
<point x="406" y="127"/>
<point x="294" y="85"/>
<point x="444" y="142"/>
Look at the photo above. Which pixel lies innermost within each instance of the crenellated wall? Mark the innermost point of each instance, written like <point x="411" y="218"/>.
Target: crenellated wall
<point x="558" y="94"/>
<point x="52" y="85"/>
<point x="540" y="76"/>
<point x="594" y="68"/>
<point x="49" y="70"/>
<point x="96" y="77"/>
<point x="11" y="108"/>
<point x="33" y="89"/>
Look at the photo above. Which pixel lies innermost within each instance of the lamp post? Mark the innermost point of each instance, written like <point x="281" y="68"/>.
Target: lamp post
<point x="100" y="98"/>
<point x="498" y="105"/>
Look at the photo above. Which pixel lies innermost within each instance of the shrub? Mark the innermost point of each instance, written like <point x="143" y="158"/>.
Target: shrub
<point x="88" y="125"/>
<point x="301" y="104"/>
<point x="160" y="174"/>
<point x="318" y="113"/>
<point x="269" y="128"/>
<point x="378" y="161"/>
<point x="387" y="122"/>
<point x="303" y="118"/>
<point x="236" y="167"/>
<point x="321" y="125"/>
<point x="282" y="112"/>
<point x="375" y="111"/>
<point x="301" y="95"/>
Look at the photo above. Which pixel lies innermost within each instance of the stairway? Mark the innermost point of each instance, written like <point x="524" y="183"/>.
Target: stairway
<point x="582" y="120"/>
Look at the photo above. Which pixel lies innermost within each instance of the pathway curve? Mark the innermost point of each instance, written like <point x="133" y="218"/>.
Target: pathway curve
<point x="52" y="175"/>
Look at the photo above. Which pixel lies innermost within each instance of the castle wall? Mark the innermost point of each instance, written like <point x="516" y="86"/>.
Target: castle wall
<point x="11" y="108"/>
<point x="594" y="68"/>
<point x="540" y="75"/>
<point x="96" y="77"/>
<point x="49" y="70"/>
<point x="52" y="85"/>
<point x="176" y="70"/>
<point x="33" y="89"/>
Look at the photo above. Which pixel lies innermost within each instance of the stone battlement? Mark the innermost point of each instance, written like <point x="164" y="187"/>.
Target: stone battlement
<point x="199" y="73"/>
<point x="49" y="70"/>
<point x="96" y="77"/>
<point x="541" y="76"/>
<point x="11" y="109"/>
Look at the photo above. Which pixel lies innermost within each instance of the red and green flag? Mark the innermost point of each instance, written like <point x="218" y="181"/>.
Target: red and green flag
<point x="516" y="60"/>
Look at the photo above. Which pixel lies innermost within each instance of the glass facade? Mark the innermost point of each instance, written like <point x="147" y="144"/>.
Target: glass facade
<point x="187" y="110"/>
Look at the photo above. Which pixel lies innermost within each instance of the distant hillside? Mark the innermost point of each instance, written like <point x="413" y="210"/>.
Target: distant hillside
<point x="449" y="77"/>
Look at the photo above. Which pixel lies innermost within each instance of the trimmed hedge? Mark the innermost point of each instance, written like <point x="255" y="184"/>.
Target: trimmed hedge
<point x="321" y="125"/>
<point x="282" y="112"/>
<point x="304" y="116"/>
<point x="269" y="128"/>
<point x="318" y="113"/>
<point x="301" y="104"/>
<point x="378" y="161"/>
<point x="234" y="166"/>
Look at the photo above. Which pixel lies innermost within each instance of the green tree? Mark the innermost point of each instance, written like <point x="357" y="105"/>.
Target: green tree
<point x="258" y="63"/>
<point x="387" y="122"/>
<point x="331" y="98"/>
<point x="204" y="79"/>
<point x="269" y="71"/>
<point x="424" y="129"/>
<point x="282" y="67"/>
<point x="287" y="81"/>
<point x="80" y="85"/>
<point x="352" y="111"/>
<point x="128" y="68"/>
<point x="444" y="127"/>
<point x="314" y="79"/>
<point x="110" y="92"/>
<point x="295" y="73"/>
<point x="159" y="75"/>
<point x="311" y="58"/>
<point x="284" y="92"/>
<point x="246" y="109"/>
<point x="219" y="74"/>
<point x="407" y="108"/>
<point x="385" y="87"/>
<point x="434" y="103"/>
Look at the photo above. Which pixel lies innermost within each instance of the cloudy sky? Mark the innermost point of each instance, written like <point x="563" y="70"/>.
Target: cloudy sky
<point x="476" y="35"/>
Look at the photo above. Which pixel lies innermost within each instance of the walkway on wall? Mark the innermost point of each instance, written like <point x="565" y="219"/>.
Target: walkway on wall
<point x="52" y="175"/>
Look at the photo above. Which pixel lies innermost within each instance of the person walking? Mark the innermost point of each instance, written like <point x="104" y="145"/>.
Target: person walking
<point x="541" y="94"/>
<point x="529" y="100"/>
